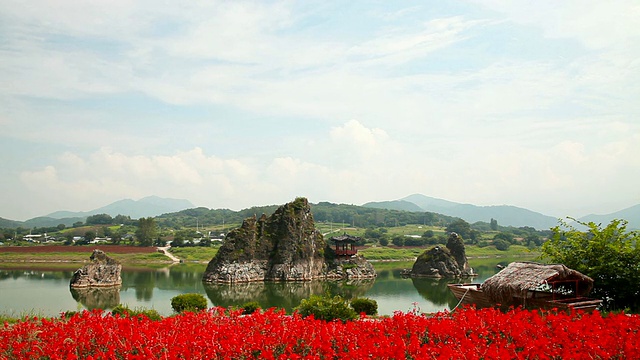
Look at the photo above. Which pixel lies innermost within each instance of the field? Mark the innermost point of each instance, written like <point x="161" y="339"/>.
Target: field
<point x="110" y="249"/>
<point x="226" y="334"/>
<point x="410" y="253"/>
<point x="194" y="254"/>
<point x="62" y="253"/>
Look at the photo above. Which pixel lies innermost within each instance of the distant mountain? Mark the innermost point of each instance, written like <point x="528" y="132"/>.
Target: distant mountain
<point x="506" y="215"/>
<point x="631" y="214"/>
<point x="401" y="205"/>
<point x="145" y="207"/>
<point x="45" y="221"/>
<point x="9" y="224"/>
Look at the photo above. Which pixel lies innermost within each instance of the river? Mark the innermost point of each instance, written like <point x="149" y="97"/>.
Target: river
<point x="44" y="291"/>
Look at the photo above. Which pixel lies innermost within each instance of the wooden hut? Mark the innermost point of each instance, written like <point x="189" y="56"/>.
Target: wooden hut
<point x="532" y="285"/>
<point x="345" y="245"/>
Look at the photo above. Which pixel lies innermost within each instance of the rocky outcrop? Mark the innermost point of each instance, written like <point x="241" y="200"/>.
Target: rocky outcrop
<point x="449" y="262"/>
<point x="103" y="271"/>
<point x="284" y="246"/>
<point x="355" y="267"/>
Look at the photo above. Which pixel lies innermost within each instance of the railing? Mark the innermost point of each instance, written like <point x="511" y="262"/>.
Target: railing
<point x="345" y="252"/>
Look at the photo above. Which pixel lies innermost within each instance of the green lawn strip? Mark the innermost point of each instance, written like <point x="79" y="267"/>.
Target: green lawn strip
<point x="196" y="253"/>
<point x="397" y="254"/>
<point x="75" y="257"/>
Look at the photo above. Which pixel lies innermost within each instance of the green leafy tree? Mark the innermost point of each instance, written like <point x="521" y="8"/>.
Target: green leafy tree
<point x="147" y="231"/>
<point x="508" y="237"/>
<point x="89" y="236"/>
<point x="460" y="227"/>
<point x="533" y="239"/>
<point x="494" y="224"/>
<point x="610" y="256"/>
<point x="99" y="219"/>
<point x="501" y="244"/>
<point x="398" y="240"/>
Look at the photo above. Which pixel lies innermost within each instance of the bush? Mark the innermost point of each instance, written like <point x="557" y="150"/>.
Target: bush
<point x="365" y="305"/>
<point x="250" y="307"/>
<point x="326" y="308"/>
<point x="121" y="310"/>
<point x="501" y="245"/>
<point x="188" y="302"/>
<point x="125" y="311"/>
<point x="609" y="255"/>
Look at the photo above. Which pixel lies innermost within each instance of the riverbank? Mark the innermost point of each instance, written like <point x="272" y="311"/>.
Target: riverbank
<point x="473" y="252"/>
<point x="80" y="254"/>
<point x="135" y="255"/>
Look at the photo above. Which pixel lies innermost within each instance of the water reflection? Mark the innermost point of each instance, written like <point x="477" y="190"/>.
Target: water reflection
<point x="435" y="291"/>
<point x="97" y="298"/>
<point x="286" y="295"/>
<point x="46" y="290"/>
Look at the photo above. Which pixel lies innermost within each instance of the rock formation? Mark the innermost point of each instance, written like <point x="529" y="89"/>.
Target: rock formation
<point x="355" y="267"/>
<point x="103" y="271"/>
<point x="444" y="262"/>
<point x="284" y="246"/>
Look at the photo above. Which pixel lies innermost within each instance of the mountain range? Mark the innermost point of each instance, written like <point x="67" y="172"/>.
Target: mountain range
<point x="506" y="215"/>
<point x="149" y="206"/>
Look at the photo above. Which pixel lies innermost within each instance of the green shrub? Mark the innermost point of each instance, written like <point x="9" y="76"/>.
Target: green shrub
<point x="250" y="307"/>
<point x="122" y="310"/>
<point x="69" y="314"/>
<point x="326" y="308"/>
<point x="125" y="311"/>
<point x="364" y="305"/>
<point x="188" y="302"/>
<point x="501" y="245"/>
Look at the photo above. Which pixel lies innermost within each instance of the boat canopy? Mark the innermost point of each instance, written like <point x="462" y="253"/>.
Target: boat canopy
<point x="519" y="278"/>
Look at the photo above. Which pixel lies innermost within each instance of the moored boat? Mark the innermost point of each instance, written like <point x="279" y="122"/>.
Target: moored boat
<point x="530" y="285"/>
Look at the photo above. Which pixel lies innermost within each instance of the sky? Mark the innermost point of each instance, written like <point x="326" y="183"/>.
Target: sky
<point x="233" y="104"/>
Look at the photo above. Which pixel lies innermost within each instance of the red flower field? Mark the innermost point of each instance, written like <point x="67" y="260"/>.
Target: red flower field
<point x="225" y="334"/>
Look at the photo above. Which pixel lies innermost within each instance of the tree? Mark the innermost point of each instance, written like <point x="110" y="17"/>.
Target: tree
<point x="384" y="241"/>
<point x="147" y="231"/>
<point x="501" y="244"/>
<point x="533" y="238"/>
<point x="99" y="219"/>
<point x="89" y="236"/>
<point x="398" y="240"/>
<point x="494" y="224"/>
<point x="460" y="227"/>
<point x="428" y="234"/>
<point x="610" y="256"/>
<point x="508" y="237"/>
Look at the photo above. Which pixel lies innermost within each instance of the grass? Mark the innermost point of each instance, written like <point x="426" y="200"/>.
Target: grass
<point x="388" y="253"/>
<point x="74" y="257"/>
<point x="399" y="254"/>
<point x="491" y="251"/>
<point x="196" y="253"/>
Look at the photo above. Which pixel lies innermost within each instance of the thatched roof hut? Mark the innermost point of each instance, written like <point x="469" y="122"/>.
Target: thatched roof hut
<point x="517" y="279"/>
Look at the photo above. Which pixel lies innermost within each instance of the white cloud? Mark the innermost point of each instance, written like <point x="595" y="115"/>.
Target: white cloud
<point x="439" y="108"/>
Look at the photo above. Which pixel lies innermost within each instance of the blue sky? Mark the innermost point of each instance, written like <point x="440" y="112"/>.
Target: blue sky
<point x="233" y="104"/>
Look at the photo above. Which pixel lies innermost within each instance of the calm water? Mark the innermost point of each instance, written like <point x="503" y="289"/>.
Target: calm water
<point x="46" y="292"/>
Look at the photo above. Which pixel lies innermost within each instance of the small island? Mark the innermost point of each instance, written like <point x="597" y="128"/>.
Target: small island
<point x="444" y="262"/>
<point x="103" y="271"/>
<point x="285" y="246"/>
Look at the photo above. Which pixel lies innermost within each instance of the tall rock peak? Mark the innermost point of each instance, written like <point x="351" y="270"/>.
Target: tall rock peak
<point x="283" y="246"/>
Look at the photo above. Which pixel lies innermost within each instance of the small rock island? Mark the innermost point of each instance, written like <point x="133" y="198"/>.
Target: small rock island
<point x="285" y="246"/>
<point x="444" y="262"/>
<point x="103" y="271"/>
